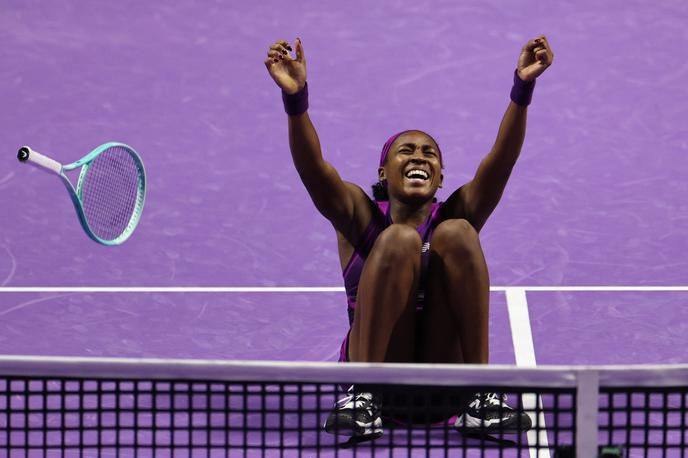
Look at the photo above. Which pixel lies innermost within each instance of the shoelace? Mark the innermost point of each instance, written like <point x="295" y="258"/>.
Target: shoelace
<point x="491" y="400"/>
<point x="363" y="400"/>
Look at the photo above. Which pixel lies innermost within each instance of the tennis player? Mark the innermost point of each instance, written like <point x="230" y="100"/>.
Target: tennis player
<point x="416" y="279"/>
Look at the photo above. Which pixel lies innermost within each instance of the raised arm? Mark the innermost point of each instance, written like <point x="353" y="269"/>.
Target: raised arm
<point x="477" y="199"/>
<point x="334" y="198"/>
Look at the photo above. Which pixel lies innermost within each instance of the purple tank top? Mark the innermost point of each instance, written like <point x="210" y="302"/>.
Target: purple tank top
<point x="378" y="223"/>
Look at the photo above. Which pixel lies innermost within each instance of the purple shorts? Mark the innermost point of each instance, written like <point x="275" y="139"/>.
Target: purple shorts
<point x="344" y="349"/>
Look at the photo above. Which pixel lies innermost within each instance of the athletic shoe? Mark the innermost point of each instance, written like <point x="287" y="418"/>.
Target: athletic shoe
<point x="488" y="413"/>
<point x="357" y="414"/>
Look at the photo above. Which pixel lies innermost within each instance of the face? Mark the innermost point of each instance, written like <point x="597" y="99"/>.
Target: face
<point x="413" y="170"/>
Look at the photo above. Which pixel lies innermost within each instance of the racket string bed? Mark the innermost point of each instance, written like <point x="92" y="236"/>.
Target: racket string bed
<point x="109" y="192"/>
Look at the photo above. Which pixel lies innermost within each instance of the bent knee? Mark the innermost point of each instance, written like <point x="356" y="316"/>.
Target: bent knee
<point x="398" y="240"/>
<point x="455" y="236"/>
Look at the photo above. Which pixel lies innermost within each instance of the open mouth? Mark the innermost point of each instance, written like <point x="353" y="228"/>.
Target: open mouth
<point x="417" y="175"/>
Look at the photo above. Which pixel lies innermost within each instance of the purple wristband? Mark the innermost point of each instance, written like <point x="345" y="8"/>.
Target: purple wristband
<point x="522" y="91"/>
<point x="296" y="104"/>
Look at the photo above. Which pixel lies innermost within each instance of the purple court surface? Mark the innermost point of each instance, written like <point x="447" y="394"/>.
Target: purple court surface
<point x="587" y="248"/>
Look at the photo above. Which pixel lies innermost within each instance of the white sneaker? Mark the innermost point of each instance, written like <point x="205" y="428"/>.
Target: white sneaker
<point x="488" y="413"/>
<point x="357" y="414"/>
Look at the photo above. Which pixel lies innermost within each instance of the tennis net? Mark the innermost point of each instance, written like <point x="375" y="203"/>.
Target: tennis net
<point x="53" y="406"/>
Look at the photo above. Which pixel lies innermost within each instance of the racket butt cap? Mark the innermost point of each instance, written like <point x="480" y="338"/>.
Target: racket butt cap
<point x="23" y="154"/>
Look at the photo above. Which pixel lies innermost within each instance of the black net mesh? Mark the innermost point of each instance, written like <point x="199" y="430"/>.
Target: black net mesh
<point x="645" y="421"/>
<point x="54" y="416"/>
<point x="165" y="417"/>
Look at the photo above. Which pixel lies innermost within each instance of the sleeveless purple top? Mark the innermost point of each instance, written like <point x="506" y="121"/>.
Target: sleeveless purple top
<point x="379" y="222"/>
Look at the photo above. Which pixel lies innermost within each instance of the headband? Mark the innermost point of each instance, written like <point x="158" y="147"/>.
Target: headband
<point x="388" y="145"/>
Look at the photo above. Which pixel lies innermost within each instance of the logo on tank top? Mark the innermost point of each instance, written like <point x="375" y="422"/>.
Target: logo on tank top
<point x="425" y="247"/>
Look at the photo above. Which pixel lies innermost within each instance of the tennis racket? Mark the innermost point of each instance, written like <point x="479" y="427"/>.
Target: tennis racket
<point x="110" y="192"/>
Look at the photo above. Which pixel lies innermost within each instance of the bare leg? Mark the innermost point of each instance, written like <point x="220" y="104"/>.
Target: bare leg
<point x="385" y="318"/>
<point x="455" y="328"/>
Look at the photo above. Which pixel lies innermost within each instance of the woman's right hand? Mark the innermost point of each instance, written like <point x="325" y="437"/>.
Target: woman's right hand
<point x="288" y="73"/>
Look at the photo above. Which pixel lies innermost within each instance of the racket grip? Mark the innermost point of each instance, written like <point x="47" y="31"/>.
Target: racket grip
<point x="26" y="154"/>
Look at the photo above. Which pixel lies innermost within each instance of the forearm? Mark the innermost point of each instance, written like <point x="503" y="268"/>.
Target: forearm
<point x="480" y="196"/>
<point x="327" y="190"/>
<point x="329" y="193"/>
<point x="303" y="139"/>
<point x="304" y="144"/>
<point x="319" y="177"/>
<point x="512" y="132"/>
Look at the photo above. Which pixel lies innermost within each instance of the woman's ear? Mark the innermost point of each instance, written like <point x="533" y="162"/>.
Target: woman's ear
<point x="381" y="174"/>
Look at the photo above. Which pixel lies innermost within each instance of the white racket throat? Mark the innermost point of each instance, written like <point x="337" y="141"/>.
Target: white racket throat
<point x="39" y="160"/>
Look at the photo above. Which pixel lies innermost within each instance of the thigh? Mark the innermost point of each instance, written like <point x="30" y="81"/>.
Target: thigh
<point x="384" y="320"/>
<point x="438" y="332"/>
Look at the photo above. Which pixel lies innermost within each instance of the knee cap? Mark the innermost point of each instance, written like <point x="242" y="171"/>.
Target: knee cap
<point x="455" y="234"/>
<point x="399" y="238"/>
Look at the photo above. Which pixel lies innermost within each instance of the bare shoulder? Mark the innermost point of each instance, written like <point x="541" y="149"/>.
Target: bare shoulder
<point x="363" y="212"/>
<point x="349" y="234"/>
<point x="455" y="206"/>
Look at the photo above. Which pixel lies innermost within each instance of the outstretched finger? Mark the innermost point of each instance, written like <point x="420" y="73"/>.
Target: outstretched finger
<point x="300" y="56"/>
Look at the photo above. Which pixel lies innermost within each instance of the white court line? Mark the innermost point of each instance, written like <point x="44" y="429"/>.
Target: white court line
<point x="305" y="289"/>
<point x="172" y="289"/>
<point x="615" y="288"/>
<point x="524" y="350"/>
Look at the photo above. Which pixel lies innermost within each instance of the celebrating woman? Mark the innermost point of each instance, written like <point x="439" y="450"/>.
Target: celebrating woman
<point x="416" y="279"/>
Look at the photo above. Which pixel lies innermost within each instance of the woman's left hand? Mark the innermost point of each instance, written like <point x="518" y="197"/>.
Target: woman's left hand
<point x="536" y="56"/>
